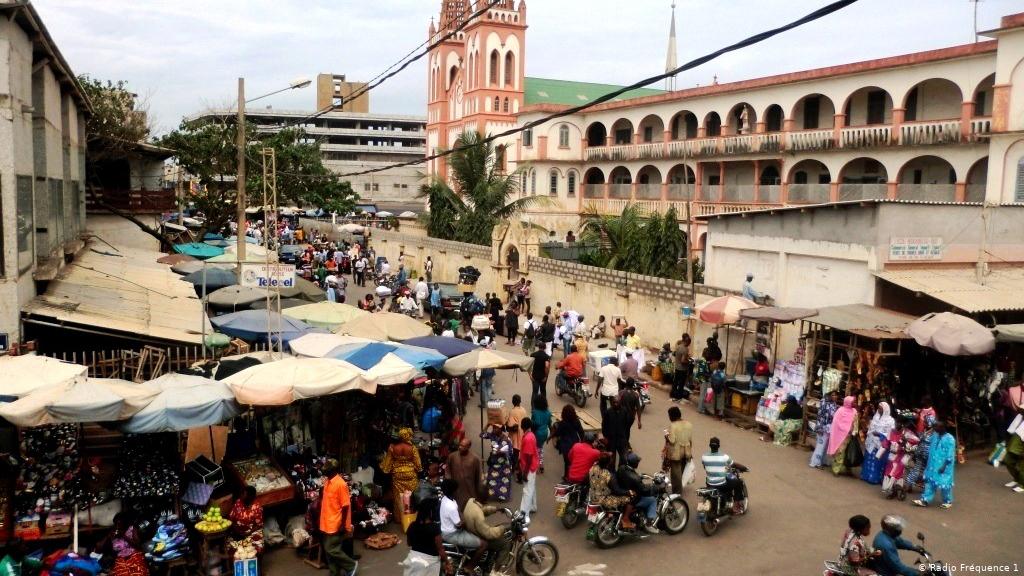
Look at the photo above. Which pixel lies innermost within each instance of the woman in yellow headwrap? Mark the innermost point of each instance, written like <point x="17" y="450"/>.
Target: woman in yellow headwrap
<point x="402" y="461"/>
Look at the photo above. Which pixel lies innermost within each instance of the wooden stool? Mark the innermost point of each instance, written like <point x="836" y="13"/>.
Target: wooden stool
<point x="315" y="555"/>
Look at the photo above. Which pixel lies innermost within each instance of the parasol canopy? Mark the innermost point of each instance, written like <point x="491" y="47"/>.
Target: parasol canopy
<point x="187" y="267"/>
<point x="216" y="278"/>
<point x="20" y="375"/>
<point x="952" y="334"/>
<point x="236" y="296"/>
<point x="384" y="326"/>
<point x="253" y="253"/>
<point x="79" y="400"/>
<point x="367" y="355"/>
<point x="1009" y="333"/>
<point x="304" y="290"/>
<point x="285" y="303"/>
<point x="252" y="325"/>
<point x="482" y="358"/>
<point x="316" y="345"/>
<point x="352" y="228"/>
<point x="450" y="347"/>
<point x="282" y="382"/>
<point x="777" y="314"/>
<point x="329" y="315"/>
<point x="218" y="243"/>
<point x="724" y="309"/>
<point x="183" y="402"/>
<point x="384" y="214"/>
<point x="407" y="214"/>
<point x="198" y="250"/>
<point x="176" y="259"/>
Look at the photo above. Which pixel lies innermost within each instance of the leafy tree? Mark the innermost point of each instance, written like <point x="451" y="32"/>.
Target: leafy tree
<point x="206" y="149"/>
<point x="482" y="196"/>
<point x="118" y="122"/>
<point x="635" y="242"/>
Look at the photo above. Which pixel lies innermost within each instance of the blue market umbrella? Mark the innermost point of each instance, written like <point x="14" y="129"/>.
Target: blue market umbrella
<point x="251" y="325"/>
<point x="217" y="243"/>
<point x="232" y="240"/>
<point x="216" y="278"/>
<point x="450" y="347"/>
<point x="369" y="354"/>
<point x="198" y="250"/>
<point x="212" y="236"/>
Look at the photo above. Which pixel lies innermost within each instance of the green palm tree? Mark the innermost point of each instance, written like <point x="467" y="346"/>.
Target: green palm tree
<point x="634" y="241"/>
<point x="483" y="194"/>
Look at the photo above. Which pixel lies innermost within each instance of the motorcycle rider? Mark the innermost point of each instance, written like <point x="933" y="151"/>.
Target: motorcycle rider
<point x="717" y="474"/>
<point x="474" y="516"/>
<point x="582" y="456"/>
<point x="453" y="529"/>
<point x="889" y="542"/>
<point x="570" y="368"/>
<point x="629" y="480"/>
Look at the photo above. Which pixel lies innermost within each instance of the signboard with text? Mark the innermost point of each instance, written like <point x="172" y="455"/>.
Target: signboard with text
<point x="268" y="275"/>
<point x="904" y="248"/>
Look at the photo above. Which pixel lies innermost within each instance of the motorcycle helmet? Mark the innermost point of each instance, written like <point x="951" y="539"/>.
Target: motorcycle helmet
<point x="893" y="524"/>
<point x="632" y="459"/>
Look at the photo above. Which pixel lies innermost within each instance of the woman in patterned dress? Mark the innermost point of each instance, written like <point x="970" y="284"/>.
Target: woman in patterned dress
<point x="499" y="464"/>
<point x="600" y="476"/>
<point x="882" y="423"/>
<point x="402" y="461"/>
<point x="127" y="547"/>
<point x="916" y="474"/>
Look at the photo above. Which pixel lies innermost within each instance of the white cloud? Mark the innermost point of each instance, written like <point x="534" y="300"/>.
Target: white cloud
<point x="186" y="53"/>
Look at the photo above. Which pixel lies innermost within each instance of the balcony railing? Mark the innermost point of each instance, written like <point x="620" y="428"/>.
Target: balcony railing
<point x="863" y="191"/>
<point x="974" y="193"/>
<point x="738" y="193"/>
<point x="648" y="191"/>
<point x="620" y="191"/>
<point x="866" y="136"/>
<point x="930" y="133"/>
<point x="650" y="151"/>
<point x="980" y="128"/>
<point x="810" y="140"/>
<point x="700" y="208"/>
<point x="808" y="193"/>
<point x="680" y="191"/>
<point x="132" y="201"/>
<point x="593" y="190"/>
<point x="932" y="192"/>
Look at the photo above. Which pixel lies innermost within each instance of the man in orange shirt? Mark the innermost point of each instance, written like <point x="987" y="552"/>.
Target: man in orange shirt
<point x="336" y="521"/>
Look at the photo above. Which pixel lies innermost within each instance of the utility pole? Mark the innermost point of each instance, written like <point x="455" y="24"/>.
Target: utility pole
<point x="981" y="268"/>
<point x="240" y="177"/>
<point x="180" y="197"/>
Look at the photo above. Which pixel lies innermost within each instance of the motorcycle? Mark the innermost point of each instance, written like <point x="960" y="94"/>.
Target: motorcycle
<point x="713" y="507"/>
<point x="577" y="387"/>
<point x="535" y="556"/>
<point x="572" y="503"/>
<point x="926" y="565"/>
<point x="644" y="388"/>
<point x="606" y="525"/>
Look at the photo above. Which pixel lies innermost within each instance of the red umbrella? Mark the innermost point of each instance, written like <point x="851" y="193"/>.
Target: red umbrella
<point x="724" y="309"/>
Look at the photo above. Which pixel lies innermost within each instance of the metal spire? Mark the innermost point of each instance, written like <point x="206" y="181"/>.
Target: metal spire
<point x="670" y="59"/>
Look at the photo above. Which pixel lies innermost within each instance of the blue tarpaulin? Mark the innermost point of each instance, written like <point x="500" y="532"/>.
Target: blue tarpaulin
<point x="216" y="278"/>
<point x="251" y="325"/>
<point x="450" y="347"/>
<point x="369" y="354"/>
<point x="198" y="250"/>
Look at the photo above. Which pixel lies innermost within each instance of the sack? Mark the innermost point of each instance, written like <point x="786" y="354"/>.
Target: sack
<point x="381" y="541"/>
<point x="431" y="421"/>
<point x="854" y="453"/>
<point x="689" y="472"/>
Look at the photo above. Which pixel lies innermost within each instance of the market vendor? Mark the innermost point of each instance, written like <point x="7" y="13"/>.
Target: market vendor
<point x="125" y="543"/>
<point x="247" y="519"/>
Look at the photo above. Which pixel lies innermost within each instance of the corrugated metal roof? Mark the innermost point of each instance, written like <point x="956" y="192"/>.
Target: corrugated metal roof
<point x="126" y="291"/>
<point x="1003" y="288"/>
<point x="865" y="320"/>
<point x="570" y="93"/>
<point x="841" y="203"/>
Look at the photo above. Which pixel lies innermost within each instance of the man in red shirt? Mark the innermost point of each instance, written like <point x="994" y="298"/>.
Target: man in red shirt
<point x="336" y="521"/>
<point x="529" y="462"/>
<point x="582" y="456"/>
<point x="572" y="366"/>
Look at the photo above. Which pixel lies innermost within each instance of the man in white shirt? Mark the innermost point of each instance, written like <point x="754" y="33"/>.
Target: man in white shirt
<point x="610" y="375"/>
<point x="385" y="268"/>
<point x="453" y="530"/>
<point x="422" y="291"/>
<point x="360" y="270"/>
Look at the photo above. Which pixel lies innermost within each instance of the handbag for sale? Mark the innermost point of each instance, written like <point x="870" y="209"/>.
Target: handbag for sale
<point x="854" y="453"/>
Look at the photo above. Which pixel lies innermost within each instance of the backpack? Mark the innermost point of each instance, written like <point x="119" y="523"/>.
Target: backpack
<point x="531" y="330"/>
<point x="431" y="420"/>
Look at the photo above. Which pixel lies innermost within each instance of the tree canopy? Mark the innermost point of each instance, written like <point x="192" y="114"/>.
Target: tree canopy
<point x="648" y="244"/>
<point x="483" y="194"/>
<point x="118" y="121"/>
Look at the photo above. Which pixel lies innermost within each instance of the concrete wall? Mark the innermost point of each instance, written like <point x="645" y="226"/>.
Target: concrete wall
<point x="121" y="232"/>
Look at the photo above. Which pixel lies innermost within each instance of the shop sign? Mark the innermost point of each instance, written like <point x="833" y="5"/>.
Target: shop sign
<point x="915" y="248"/>
<point x="268" y="275"/>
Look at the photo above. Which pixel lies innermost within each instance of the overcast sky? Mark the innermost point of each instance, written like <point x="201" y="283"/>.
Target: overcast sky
<point x="185" y="55"/>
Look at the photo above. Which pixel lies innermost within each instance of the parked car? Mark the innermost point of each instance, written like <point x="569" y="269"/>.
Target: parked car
<point x="451" y="298"/>
<point x="290" y="253"/>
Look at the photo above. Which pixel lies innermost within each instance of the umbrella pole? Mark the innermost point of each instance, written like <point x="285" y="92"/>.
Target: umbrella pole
<point x="202" y="312"/>
<point x="213" y="447"/>
<point x="74" y="521"/>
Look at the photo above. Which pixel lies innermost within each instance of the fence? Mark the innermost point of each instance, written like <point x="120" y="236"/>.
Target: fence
<point x="148" y="363"/>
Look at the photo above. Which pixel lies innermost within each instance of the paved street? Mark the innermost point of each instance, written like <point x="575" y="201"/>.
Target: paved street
<point x="796" y="519"/>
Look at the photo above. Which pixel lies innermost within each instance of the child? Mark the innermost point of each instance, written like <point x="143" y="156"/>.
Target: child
<point x="717" y="405"/>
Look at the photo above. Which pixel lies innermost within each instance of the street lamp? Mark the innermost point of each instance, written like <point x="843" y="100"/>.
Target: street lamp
<point x="240" y="176"/>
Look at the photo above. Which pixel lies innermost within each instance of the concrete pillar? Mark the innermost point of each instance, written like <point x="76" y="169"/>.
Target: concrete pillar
<point x="757" y="181"/>
<point x="966" y="114"/>
<point x="833" y="192"/>
<point x="664" y="191"/>
<point x="636" y="138"/>
<point x="701" y="132"/>
<point x="892" y="190"/>
<point x="1001" y="107"/>
<point x="583" y="145"/>
<point x="721" y="181"/>
<point x="787" y="125"/>
<point x="898" y="114"/>
<point x="632" y="191"/>
<point x="698" y="190"/>
<point x="759" y="128"/>
<point x="838" y="123"/>
<point x="609" y="141"/>
<point x="961" y="189"/>
<point x="666" y="137"/>
<point x="607" y="189"/>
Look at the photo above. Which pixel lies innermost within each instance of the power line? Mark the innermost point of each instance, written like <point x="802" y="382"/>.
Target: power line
<point x="755" y="39"/>
<point x="385" y="76"/>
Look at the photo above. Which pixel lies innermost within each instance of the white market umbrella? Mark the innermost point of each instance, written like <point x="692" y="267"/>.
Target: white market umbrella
<point x="236" y="296"/>
<point x="483" y="358"/>
<point x="352" y="228"/>
<point x="184" y="402"/>
<point x="326" y="314"/>
<point x="283" y="382"/>
<point x="384" y="214"/>
<point x="20" y="375"/>
<point x="254" y="253"/>
<point x="384" y="326"/>
<point x="393" y="370"/>
<point x="952" y="334"/>
<point x="317" y="345"/>
<point x="407" y="214"/>
<point x="79" y="400"/>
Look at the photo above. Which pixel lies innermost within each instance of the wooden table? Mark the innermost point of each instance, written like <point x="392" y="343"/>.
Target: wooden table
<point x="743" y="402"/>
